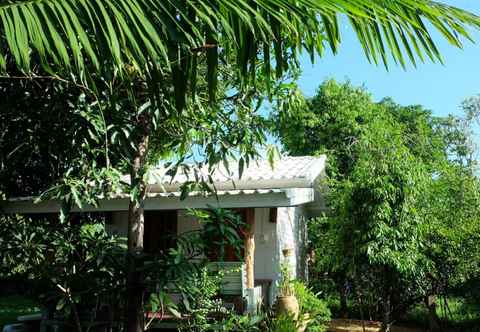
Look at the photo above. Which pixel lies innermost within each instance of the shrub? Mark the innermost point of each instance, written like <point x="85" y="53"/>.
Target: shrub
<point x="310" y="304"/>
<point x="243" y="323"/>
<point x="283" y="323"/>
<point x="73" y="269"/>
<point x="200" y="301"/>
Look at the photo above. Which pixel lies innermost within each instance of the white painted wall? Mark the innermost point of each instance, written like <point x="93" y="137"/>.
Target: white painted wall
<point x="270" y="239"/>
<point x="265" y="241"/>
<point x="291" y="232"/>
<point x="265" y="245"/>
<point x="301" y="241"/>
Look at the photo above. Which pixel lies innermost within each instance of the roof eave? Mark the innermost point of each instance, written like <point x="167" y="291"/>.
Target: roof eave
<point x="280" y="198"/>
<point x="242" y="185"/>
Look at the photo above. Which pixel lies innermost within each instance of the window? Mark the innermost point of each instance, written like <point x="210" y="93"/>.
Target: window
<point x="160" y="231"/>
<point x="231" y="253"/>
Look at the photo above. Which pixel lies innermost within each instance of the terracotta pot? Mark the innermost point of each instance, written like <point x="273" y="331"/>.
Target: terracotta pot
<point x="288" y="305"/>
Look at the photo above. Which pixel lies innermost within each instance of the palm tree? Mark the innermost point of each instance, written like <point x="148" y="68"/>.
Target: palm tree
<point x="85" y="38"/>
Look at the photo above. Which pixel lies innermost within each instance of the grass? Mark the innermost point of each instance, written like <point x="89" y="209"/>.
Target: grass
<point x="13" y="306"/>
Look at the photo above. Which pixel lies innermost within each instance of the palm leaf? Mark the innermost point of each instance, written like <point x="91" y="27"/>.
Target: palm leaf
<point x="87" y="36"/>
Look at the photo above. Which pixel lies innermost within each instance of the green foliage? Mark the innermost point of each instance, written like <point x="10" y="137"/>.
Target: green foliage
<point x="310" y="304"/>
<point x="374" y="178"/>
<point x="70" y="266"/>
<point x="75" y="265"/>
<point x="285" y="285"/>
<point x="200" y="301"/>
<point x="283" y="323"/>
<point x="53" y="144"/>
<point x="185" y="82"/>
<point x="403" y="197"/>
<point x="90" y="37"/>
<point x="221" y="228"/>
<point x="379" y="198"/>
<point x="452" y="234"/>
<point x="340" y="108"/>
<point x="41" y="131"/>
<point x="203" y="310"/>
<point x="247" y="323"/>
<point x="454" y="312"/>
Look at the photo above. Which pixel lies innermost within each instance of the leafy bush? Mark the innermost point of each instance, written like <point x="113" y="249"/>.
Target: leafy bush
<point x="455" y="312"/>
<point x="205" y="311"/>
<point x="221" y="231"/>
<point x="244" y="323"/>
<point x="283" y="323"/>
<point x="71" y="267"/>
<point x="200" y="301"/>
<point x="316" y="309"/>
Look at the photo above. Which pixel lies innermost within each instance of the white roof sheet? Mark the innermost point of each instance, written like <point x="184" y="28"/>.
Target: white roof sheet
<point x="287" y="172"/>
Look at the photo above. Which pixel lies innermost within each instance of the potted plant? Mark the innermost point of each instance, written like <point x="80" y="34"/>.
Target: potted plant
<point x="287" y="303"/>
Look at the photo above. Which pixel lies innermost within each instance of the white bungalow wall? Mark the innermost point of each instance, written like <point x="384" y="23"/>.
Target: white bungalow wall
<point x="267" y="266"/>
<point x="291" y="233"/>
<point x="266" y="259"/>
<point x="270" y="238"/>
<point x="266" y="251"/>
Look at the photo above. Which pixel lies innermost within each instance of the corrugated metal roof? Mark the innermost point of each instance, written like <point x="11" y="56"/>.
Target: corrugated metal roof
<point x="287" y="172"/>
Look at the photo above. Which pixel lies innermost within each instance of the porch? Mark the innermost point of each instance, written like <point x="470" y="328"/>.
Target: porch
<point x="259" y="251"/>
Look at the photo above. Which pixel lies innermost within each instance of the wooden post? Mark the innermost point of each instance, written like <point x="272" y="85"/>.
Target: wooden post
<point x="250" y="247"/>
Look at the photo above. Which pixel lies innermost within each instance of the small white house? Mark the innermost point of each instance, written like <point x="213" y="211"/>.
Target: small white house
<point x="279" y="200"/>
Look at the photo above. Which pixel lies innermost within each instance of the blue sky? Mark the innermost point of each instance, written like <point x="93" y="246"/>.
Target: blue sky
<point x="440" y="88"/>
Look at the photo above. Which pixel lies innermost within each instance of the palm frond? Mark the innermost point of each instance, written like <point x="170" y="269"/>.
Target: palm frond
<point x="86" y="36"/>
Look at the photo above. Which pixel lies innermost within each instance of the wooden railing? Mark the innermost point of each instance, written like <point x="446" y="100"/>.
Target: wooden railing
<point x="234" y="277"/>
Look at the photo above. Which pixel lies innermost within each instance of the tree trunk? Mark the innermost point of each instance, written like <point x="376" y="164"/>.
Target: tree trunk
<point x="433" y="320"/>
<point x="343" y="290"/>
<point x="135" y="315"/>
<point x="386" y="321"/>
<point x="387" y="305"/>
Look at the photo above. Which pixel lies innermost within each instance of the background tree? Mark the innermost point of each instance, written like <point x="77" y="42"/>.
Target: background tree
<point x="39" y="127"/>
<point x="388" y="168"/>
